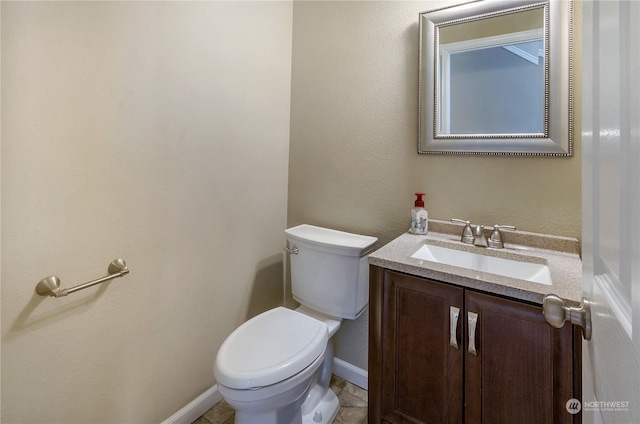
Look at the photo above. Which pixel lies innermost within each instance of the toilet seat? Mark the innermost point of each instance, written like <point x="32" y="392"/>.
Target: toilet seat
<point x="270" y="348"/>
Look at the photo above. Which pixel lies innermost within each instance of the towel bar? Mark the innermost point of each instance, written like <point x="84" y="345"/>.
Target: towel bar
<point x="50" y="286"/>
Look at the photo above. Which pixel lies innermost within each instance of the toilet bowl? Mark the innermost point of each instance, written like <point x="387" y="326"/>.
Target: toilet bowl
<point x="276" y="362"/>
<point x="276" y="367"/>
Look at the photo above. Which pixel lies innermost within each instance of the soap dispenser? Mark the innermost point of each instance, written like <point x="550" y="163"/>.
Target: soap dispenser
<point x="419" y="216"/>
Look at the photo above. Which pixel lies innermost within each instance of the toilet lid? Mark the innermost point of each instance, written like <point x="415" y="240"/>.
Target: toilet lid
<point x="269" y="348"/>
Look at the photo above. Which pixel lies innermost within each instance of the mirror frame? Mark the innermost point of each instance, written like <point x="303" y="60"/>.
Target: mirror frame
<point x="557" y="140"/>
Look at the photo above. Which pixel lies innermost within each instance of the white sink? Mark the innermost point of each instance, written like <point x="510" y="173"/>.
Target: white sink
<point x="537" y="273"/>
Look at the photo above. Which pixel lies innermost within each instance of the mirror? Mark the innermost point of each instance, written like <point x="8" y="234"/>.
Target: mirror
<point x="494" y="79"/>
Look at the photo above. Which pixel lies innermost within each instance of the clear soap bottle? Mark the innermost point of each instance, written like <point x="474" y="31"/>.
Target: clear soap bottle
<point x="419" y="216"/>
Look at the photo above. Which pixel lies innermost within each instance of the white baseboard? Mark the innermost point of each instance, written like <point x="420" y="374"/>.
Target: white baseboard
<point x="351" y="373"/>
<point x="197" y="407"/>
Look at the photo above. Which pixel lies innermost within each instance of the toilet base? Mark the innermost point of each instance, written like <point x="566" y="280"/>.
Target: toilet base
<point x="324" y="411"/>
<point x="321" y="404"/>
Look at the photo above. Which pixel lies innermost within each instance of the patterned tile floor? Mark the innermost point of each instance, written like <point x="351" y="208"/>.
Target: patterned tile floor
<point x="353" y="406"/>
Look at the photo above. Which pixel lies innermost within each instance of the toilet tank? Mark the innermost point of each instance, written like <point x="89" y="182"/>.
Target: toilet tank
<point x="330" y="269"/>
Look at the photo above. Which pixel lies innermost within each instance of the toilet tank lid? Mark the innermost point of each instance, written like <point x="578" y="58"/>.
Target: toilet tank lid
<point x="270" y="348"/>
<point x="330" y="240"/>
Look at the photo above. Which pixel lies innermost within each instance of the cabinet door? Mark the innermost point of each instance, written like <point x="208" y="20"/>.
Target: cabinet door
<point x="422" y="373"/>
<point x="522" y="371"/>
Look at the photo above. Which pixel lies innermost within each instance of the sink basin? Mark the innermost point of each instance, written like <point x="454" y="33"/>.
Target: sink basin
<point x="537" y="273"/>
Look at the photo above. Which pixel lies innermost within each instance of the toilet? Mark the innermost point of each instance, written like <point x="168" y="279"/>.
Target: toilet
<point x="276" y="367"/>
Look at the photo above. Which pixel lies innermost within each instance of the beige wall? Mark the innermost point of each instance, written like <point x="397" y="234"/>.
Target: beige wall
<point x="153" y="131"/>
<point x="353" y="161"/>
<point x="159" y="132"/>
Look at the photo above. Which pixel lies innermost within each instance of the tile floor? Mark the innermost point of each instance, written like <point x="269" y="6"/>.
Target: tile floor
<point x="353" y="406"/>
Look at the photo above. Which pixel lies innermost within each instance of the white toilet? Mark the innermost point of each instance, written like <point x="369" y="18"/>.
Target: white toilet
<point x="276" y="367"/>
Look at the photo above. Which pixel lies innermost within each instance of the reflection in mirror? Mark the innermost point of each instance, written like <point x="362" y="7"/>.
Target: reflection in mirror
<point x="495" y="78"/>
<point x="492" y="75"/>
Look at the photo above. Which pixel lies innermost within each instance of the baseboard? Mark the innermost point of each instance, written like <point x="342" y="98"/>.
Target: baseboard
<point x="196" y="408"/>
<point x="351" y="373"/>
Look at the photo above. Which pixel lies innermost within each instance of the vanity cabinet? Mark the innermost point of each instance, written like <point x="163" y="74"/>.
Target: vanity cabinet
<point x="439" y="353"/>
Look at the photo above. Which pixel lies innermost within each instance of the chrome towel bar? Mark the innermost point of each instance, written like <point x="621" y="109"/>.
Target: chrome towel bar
<point x="50" y="286"/>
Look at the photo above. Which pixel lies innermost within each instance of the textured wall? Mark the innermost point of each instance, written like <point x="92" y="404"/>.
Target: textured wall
<point x="353" y="158"/>
<point x="153" y="131"/>
<point x="158" y="132"/>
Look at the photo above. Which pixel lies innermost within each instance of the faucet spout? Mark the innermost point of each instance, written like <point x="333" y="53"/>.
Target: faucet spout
<point x="479" y="237"/>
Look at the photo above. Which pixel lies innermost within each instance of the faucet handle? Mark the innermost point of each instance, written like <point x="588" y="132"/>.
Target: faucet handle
<point x="467" y="233"/>
<point x="495" y="240"/>
<point x="504" y="227"/>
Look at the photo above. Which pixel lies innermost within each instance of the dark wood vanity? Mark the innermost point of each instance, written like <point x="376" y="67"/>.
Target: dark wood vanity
<point x="422" y="370"/>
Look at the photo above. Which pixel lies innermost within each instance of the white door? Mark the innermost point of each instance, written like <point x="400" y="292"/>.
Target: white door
<point x="611" y="210"/>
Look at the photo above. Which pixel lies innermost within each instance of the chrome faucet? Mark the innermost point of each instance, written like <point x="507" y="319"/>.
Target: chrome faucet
<point x="475" y="234"/>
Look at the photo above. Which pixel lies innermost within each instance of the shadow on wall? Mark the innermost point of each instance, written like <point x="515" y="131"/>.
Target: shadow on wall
<point x="267" y="290"/>
<point x="29" y="319"/>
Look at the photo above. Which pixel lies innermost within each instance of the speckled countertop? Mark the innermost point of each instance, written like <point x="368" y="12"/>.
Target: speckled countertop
<point x="561" y="254"/>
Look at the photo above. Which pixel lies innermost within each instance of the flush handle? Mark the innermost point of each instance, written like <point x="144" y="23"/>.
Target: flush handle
<point x="472" y="319"/>
<point x="556" y="313"/>
<point x="454" y="314"/>
<point x="292" y="251"/>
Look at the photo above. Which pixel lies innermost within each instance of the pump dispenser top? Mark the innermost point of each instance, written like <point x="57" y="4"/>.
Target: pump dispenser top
<point x="419" y="203"/>
<point x="419" y="216"/>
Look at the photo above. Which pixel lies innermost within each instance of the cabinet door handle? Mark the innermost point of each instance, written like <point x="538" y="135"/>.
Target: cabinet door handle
<point x="473" y="321"/>
<point x="454" y="313"/>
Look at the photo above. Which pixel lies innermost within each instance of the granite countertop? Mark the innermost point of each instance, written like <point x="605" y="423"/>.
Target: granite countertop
<point x="561" y="254"/>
